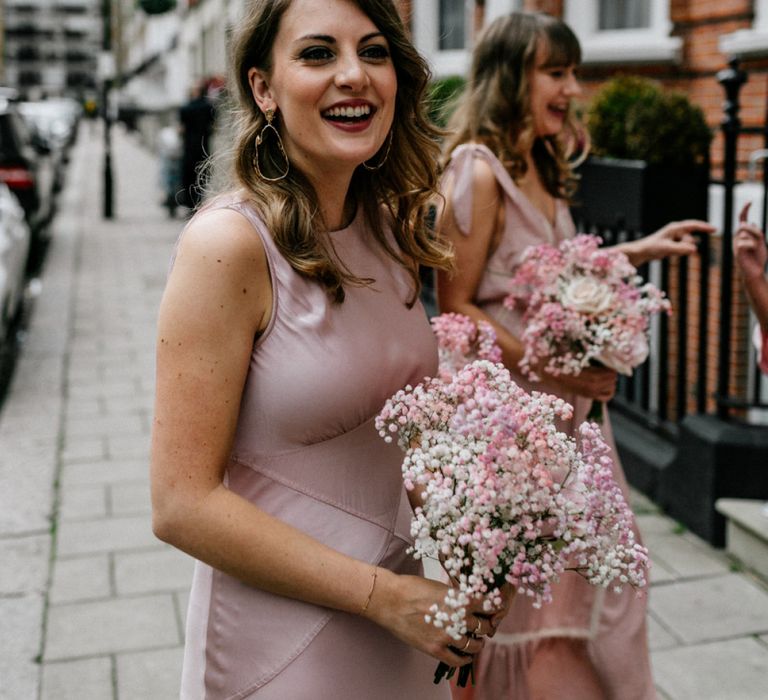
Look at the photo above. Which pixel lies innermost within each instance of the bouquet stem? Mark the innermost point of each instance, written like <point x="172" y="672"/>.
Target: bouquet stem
<point x="596" y="412"/>
<point x="466" y="673"/>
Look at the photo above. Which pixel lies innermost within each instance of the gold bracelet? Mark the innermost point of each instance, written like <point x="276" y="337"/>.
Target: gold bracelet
<point x="370" y="595"/>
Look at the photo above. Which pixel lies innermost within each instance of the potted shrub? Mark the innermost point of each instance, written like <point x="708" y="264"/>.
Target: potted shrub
<point x="442" y="96"/>
<point x="649" y="161"/>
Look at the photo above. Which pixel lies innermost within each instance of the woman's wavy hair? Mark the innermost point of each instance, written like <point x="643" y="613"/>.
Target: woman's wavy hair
<point x="403" y="185"/>
<point x="495" y="108"/>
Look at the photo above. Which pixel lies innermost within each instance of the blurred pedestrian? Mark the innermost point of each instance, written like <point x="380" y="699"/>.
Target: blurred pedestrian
<point x="170" y="150"/>
<point x="197" y="118"/>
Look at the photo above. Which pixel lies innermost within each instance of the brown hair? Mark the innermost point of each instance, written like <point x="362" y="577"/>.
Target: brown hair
<point x="403" y="185"/>
<point x="495" y="107"/>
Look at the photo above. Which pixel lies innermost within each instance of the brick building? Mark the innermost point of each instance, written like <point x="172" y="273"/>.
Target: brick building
<point x="682" y="43"/>
<point x="50" y="47"/>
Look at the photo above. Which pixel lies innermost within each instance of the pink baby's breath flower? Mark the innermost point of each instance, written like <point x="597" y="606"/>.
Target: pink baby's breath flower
<point x="582" y="303"/>
<point x="507" y="498"/>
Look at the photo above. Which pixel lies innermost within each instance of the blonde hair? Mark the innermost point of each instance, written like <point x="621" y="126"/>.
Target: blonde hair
<point x="495" y="107"/>
<point x="403" y="185"/>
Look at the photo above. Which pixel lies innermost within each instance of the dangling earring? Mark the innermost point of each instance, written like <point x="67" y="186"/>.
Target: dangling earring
<point x="386" y="154"/>
<point x="270" y="115"/>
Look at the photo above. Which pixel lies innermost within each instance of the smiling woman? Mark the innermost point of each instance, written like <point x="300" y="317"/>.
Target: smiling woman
<point x="507" y="181"/>
<point x="290" y="315"/>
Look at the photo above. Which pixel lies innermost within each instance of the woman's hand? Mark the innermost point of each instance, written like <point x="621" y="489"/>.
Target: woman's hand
<point x="399" y="604"/>
<point x="750" y="254"/>
<point x="673" y="240"/>
<point x="495" y="616"/>
<point x="749" y="248"/>
<point x="507" y="596"/>
<point x="596" y="383"/>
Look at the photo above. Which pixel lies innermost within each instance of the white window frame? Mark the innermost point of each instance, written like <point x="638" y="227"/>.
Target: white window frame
<point x="426" y="27"/>
<point x="647" y="45"/>
<point x="749" y="42"/>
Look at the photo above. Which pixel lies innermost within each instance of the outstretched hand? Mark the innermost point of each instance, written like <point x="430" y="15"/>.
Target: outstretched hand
<point x="673" y="240"/>
<point x="749" y="248"/>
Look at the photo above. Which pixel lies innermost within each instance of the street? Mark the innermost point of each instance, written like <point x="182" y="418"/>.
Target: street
<point x="92" y="604"/>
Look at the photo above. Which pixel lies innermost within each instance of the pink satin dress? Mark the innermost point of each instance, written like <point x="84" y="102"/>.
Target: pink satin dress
<point x="307" y="452"/>
<point x="613" y="624"/>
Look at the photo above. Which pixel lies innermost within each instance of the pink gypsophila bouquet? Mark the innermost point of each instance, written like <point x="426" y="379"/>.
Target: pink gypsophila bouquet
<point x="582" y="304"/>
<point x="507" y="498"/>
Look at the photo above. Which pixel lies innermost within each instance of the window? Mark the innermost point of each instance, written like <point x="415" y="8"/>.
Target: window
<point x="749" y="42"/>
<point x="623" y="31"/>
<point x="624" y="14"/>
<point x="443" y="30"/>
<point x="440" y="32"/>
<point x="453" y="25"/>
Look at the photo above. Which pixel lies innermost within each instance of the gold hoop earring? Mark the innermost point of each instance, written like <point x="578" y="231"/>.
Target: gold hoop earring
<point x="386" y="154"/>
<point x="269" y="116"/>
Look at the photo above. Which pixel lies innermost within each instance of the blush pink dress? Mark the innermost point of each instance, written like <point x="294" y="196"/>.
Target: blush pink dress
<point x="307" y="452"/>
<point x="614" y="624"/>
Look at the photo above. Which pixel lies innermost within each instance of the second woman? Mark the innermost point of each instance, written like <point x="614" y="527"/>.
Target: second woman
<point x="506" y="187"/>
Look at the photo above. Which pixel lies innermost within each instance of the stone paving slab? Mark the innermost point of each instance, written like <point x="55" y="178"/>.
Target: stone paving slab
<point x="686" y="556"/>
<point x="104" y="425"/>
<point x="85" y="679"/>
<point x="150" y="675"/>
<point x="734" y="605"/>
<point x="112" y="471"/>
<point x="83" y="502"/>
<point x="25" y="500"/>
<point x="167" y="569"/>
<point x="133" y="447"/>
<point x="24" y="565"/>
<point x="79" y="630"/>
<point x="105" y="535"/>
<point x="81" y="578"/>
<point x="130" y="498"/>
<point x="733" y="670"/>
<point x="84" y="448"/>
<point x="658" y="636"/>
<point x="20" y="642"/>
<point x="661" y="573"/>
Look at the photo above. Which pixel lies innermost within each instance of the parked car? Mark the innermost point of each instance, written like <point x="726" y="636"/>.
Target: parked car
<point x="52" y="126"/>
<point x="26" y="169"/>
<point x="15" y="240"/>
<point x="55" y="119"/>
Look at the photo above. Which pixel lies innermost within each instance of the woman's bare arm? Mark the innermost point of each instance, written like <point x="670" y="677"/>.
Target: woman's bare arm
<point x="457" y="292"/>
<point x="217" y="300"/>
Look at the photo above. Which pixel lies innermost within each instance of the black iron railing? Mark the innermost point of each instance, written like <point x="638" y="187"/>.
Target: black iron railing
<point x="687" y="371"/>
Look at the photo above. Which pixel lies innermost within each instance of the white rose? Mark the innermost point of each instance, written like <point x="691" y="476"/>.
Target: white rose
<point x="587" y="295"/>
<point x="625" y="362"/>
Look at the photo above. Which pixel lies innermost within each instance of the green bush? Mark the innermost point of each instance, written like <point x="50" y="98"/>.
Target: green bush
<point x="441" y="98"/>
<point x="632" y="117"/>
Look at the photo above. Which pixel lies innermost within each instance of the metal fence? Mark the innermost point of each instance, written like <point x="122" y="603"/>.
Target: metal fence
<point x="701" y="359"/>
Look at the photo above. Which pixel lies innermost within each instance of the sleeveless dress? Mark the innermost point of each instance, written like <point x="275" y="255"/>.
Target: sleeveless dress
<point x="306" y="451"/>
<point x="614" y="624"/>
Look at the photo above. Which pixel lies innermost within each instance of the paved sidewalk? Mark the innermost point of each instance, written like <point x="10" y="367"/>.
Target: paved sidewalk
<point x="91" y="604"/>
